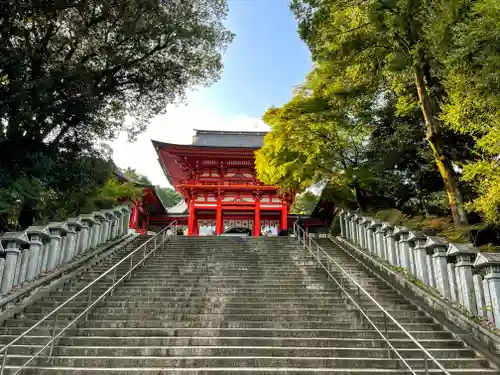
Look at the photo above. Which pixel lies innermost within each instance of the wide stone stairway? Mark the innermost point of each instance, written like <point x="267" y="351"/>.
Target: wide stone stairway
<point x="233" y="305"/>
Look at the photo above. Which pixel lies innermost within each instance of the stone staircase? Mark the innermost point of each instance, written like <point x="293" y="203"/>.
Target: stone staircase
<point x="233" y="305"/>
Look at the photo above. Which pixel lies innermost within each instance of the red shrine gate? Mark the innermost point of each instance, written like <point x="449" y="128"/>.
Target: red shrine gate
<point x="217" y="178"/>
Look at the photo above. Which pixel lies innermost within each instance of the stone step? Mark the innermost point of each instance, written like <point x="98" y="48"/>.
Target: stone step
<point x="137" y="280"/>
<point x="98" y="322"/>
<point x="49" y="370"/>
<point x="167" y="298"/>
<point x="238" y="351"/>
<point x="246" y="361"/>
<point x="314" y="290"/>
<point x="229" y="302"/>
<point x="442" y="344"/>
<point x="223" y="285"/>
<point x="235" y="332"/>
<point x="189" y="309"/>
<point x="229" y="316"/>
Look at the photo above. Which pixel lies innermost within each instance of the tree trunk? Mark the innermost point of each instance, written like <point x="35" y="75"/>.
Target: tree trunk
<point x="359" y="197"/>
<point x="27" y="214"/>
<point x="436" y="142"/>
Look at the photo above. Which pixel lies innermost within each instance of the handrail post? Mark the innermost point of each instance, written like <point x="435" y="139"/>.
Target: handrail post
<point x="130" y="268"/>
<point x="4" y="359"/>
<point x="387" y="335"/>
<point x="114" y="280"/>
<point x="88" y="302"/>
<point x="426" y="364"/>
<point x="54" y="329"/>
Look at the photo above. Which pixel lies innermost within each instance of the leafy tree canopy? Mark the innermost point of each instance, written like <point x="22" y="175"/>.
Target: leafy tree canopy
<point x="136" y="177"/>
<point x="168" y="196"/>
<point x="72" y="73"/>
<point x="382" y="46"/>
<point x="304" y="203"/>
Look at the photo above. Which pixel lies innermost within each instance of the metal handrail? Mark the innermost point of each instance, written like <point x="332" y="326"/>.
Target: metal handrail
<point x="153" y="240"/>
<point x="301" y="235"/>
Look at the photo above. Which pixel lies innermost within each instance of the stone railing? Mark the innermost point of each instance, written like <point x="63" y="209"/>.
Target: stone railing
<point x="27" y="255"/>
<point x="457" y="272"/>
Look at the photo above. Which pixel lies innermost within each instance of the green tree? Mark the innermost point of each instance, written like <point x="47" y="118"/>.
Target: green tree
<point x="466" y="37"/>
<point x="384" y="44"/>
<point x="304" y="203"/>
<point x="136" y="177"/>
<point x="315" y="137"/>
<point x="72" y="72"/>
<point x="168" y="196"/>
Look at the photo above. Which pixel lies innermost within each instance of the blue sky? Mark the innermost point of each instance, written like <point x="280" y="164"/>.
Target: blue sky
<point x="261" y="66"/>
<point x="265" y="60"/>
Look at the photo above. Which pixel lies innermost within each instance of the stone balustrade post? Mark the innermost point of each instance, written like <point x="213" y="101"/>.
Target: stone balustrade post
<point x="117" y="227"/>
<point x="112" y="224"/>
<point x="437" y="247"/>
<point x="121" y="220"/>
<point x="452" y="275"/>
<point x="74" y="224"/>
<point x="56" y="231"/>
<point x="417" y="241"/>
<point x="97" y="228"/>
<point x="126" y="219"/>
<point x="380" y="241"/>
<point x="116" y="219"/>
<point x="357" y="225"/>
<point x="390" y="244"/>
<point x="465" y="255"/>
<point x="64" y="246"/>
<point x="490" y="263"/>
<point x="354" y="226"/>
<point x="22" y="265"/>
<point x="365" y="233"/>
<point x="342" y="215"/>
<point x="108" y="219"/>
<point x="402" y="235"/>
<point x="352" y="223"/>
<point x="2" y="262"/>
<point x="359" y="229"/>
<point x="373" y="228"/>
<point x="37" y="236"/>
<point x="349" y="234"/>
<point x="12" y="243"/>
<point x="104" y="229"/>
<point x="480" y="300"/>
<point x="87" y="221"/>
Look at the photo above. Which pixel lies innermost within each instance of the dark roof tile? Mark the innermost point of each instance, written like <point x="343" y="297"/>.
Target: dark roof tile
<point x="216" y="138"/>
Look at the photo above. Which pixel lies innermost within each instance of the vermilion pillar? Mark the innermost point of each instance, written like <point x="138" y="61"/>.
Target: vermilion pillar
<point x="218" y="219"/>
<point x="256" y="230"/>
<point x="134" y="216"/>
<point x="146" y="222"/>
<point x="284" y="212"/>
<point x="191" y="219"/>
